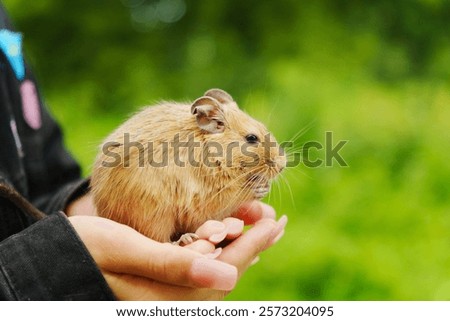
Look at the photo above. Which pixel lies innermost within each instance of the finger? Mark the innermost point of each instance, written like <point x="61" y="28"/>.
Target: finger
<point x="120" y="249"/>
<point x="201" y="246"/>
<point x="277" y="238"/>
<point x="253" y="211"/>
<point x="211" y="228"/>
<point x="215" y="231"/>
<point x="279" y="232"/>
<point x="136" y="288"/>
<point x="234" y="227"/>
<point x="243" y="250"/>
<point x="215" y="254"/>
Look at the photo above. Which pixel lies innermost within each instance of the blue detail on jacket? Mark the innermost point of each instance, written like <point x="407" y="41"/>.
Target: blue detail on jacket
<point x="11" y="45"/>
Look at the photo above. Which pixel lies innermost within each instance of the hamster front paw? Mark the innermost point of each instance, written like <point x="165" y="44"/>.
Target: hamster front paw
<point x="186" y="239"/>
<point x="259" y="186"/>
<point x="261" y="190"/>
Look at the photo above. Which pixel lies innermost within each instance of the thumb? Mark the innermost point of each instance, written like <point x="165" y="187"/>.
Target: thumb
<point x="120" y="249"/>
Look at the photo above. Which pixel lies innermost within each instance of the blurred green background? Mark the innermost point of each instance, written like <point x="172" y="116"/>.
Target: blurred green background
<point x="375" y="73"/>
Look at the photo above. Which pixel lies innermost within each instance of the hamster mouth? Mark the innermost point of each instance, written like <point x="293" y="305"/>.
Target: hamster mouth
<point x="259" y="185"/>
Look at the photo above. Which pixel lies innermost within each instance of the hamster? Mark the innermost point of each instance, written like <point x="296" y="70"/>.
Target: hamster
<point x="173" y="166"/>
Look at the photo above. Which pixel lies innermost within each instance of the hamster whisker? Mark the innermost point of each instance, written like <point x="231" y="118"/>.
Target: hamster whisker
<point x="242" y="194"/>
<point x="231" y="183"/>
<point x="289" y="151"/>
<point x="283" y="178"/>
<point x="275" y="185"/>
<point x="249" y="173"/>
<point x="302" y="131"/>
<point x="278" y="184"/>
<point x="299" y="170"/>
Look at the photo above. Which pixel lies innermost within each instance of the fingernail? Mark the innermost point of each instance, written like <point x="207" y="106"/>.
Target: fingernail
<point x="234" y="226"/>
<point x="219" y="237"/>
<point x="278" y="232"/>
<point x="216" y="226"/>
<point x="213" y="255"/>
<point x="283" y="221"/>
<point x="281" y="224"/>
<point x="213" y="274"/>
<point x="268" y="211"/>
<point x="278" y="237"/>
<point x="255" y="260"/>
<point x="209" y="228"/>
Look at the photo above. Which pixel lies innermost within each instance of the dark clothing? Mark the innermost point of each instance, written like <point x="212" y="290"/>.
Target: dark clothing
<point x="39" y="259"/>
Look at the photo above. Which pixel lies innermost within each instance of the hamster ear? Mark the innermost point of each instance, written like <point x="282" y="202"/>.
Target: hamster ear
<point x="220" y="95"/>
<point x="209" y="114"/>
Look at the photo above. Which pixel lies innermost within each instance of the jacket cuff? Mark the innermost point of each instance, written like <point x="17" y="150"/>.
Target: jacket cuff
<point x="48" y="261"/>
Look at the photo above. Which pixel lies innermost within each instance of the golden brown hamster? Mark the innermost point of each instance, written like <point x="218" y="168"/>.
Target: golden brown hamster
<point x="173" y="166"/>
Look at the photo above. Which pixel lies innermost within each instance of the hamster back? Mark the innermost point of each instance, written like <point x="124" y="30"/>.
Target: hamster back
<point x="172" y="166"/>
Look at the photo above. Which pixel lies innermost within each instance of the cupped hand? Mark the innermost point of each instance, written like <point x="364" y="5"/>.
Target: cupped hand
<point x="138" y="268"/>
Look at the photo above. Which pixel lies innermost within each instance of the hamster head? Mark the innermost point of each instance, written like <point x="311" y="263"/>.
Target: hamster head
<point x="238" y="146"/>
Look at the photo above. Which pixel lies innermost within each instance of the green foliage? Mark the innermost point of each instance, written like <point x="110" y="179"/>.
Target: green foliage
<point x="375" y="73"/>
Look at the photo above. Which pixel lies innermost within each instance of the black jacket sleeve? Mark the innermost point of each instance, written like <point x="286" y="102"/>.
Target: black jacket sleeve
<point x="39" y="259"/>
<point x="47" y="261"/>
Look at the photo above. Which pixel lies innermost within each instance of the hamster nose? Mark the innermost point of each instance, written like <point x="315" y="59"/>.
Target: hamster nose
<point x="279" y="163"/>
<point x="271" y="163"/>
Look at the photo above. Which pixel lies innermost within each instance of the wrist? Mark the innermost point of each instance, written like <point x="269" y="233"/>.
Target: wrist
<point x="83" y="205"/>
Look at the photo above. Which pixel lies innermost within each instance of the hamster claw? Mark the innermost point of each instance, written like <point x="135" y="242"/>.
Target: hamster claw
<point x="259" y="185"/>
<point x="186" y="239"/>
<point x="261" y="191"/>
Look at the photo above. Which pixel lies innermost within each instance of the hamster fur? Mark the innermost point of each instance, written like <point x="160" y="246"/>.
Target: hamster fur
<point x="142" y="179"/>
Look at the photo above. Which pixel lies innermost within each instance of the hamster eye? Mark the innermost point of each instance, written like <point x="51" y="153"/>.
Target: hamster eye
<point x="252" y="139"/>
